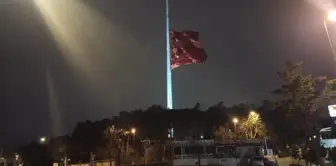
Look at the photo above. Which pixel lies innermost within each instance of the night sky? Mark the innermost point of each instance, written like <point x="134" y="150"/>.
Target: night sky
<point x="120" y="59"/>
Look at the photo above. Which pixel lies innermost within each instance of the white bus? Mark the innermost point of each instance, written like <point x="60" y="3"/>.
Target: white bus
<point x="326" y="138"/>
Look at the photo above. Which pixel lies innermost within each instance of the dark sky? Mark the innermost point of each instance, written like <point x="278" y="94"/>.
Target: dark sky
<point x="120" y="64"/>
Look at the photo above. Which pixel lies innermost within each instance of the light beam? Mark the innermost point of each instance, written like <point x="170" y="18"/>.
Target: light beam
<point x="169" y="74"/>
<point x="91" y="45"/>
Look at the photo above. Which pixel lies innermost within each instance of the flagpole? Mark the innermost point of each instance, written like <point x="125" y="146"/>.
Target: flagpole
<point x="169" y="75"/>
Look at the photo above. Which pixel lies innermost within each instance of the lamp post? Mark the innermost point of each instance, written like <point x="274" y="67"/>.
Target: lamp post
<point x="330" y="19"/>
<point x="235" y="121"/>
<point x="132" y="131"/>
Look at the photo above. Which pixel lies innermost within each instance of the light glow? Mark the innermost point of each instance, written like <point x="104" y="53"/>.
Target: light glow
<point x="133" y="131"/>
<point x="43" y="139"/>
<point x="332" y="15"/>
<point x="93" y="46"/>
<point x="252" y="113"/>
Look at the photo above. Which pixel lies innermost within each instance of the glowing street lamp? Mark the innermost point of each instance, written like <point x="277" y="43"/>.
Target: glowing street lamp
<point x="43" y="139"/>
<point x="133" y="131"/>
<point x="253" y="116"/>
<point x="235" y="121"/>
<point x="332" y="15"/>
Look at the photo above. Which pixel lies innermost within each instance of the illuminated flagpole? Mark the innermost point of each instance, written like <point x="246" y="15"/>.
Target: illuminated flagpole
<point x="331" y="19"/>
<point x="169" y="75"/>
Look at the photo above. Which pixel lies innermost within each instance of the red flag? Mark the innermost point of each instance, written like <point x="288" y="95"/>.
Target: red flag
<point x="185" y="49"/>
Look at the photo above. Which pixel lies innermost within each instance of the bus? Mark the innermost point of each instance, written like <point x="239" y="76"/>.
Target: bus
<point x="327" y="139"/>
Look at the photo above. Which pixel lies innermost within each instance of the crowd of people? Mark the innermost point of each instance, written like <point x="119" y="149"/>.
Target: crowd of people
<point x="312" y="153"/>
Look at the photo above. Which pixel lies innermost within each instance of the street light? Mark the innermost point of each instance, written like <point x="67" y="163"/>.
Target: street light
<point x="332" y="15"/>
<point x="133" y="131"/>
<point x="235" y="121"/>
<point x="330" y="18"/>
<point x="43" y="139"/>
<point x="252" y="113"/>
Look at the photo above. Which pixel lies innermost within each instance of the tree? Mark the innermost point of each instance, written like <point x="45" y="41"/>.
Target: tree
<point x="114" y="141"/>
<point x="224" y="133"/>
<point x="35" y="154"/>
<point x="301" y="99"/>
<point x="154" y="152"/>
<point x="252" y="126"/>
<point x="59" y="147"/>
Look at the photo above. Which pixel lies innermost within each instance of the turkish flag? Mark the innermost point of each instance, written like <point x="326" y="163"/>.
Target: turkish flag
<point x="185" y="48"/>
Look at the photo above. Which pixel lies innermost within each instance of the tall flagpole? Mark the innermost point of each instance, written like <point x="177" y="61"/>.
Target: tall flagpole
<point x="329" y="39"/>
<point x="169" y="75"/>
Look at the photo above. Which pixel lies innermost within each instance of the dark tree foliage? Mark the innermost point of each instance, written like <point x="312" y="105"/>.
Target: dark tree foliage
<point x="35" y="154"/>
<point x="292" y="117"/>
<point x="302" y="99"/>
